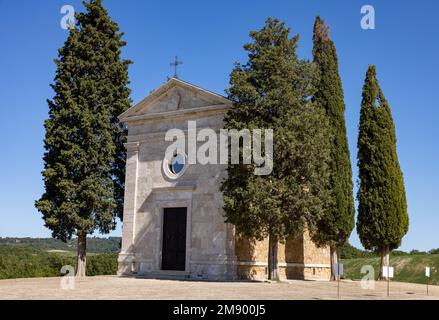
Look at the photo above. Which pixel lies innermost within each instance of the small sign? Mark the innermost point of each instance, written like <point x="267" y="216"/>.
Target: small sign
<point x="387" y="272"/>
<point x="427" y="272"/>
<point x="338" y="269"/>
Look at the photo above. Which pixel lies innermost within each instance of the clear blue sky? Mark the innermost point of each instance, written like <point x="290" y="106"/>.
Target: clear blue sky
<point x="208" y="36"/>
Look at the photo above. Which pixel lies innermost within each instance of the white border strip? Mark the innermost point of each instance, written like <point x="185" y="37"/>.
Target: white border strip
<point x="283" y="264"/>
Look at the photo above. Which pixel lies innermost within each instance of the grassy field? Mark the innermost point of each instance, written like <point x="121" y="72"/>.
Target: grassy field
<point x="408" y="268"/>
<point x="24" y="262"/>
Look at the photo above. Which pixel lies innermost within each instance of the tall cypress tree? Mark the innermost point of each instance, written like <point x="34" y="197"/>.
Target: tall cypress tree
<point x="272" y="91"/>
<point x="382" y="210"/>
<point x="338" y="221"/>
<point x="84" y="158"/>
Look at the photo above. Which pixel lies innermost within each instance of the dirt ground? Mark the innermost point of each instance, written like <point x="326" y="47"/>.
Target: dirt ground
<point x="112" y="287"/>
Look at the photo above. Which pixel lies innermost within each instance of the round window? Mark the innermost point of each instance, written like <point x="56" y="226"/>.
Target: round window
<point x="175" y="166"/>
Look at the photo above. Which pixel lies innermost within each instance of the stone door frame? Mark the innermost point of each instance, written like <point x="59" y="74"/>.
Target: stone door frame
<point x="178" y="203"/>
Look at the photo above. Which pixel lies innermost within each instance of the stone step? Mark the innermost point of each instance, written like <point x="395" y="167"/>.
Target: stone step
<point x="162" y="275"/>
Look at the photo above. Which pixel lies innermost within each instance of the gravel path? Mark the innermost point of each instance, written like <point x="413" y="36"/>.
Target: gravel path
<point x="112" y="287"/>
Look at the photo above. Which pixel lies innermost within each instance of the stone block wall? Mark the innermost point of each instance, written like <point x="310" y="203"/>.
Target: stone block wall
<point x="298" y="259"/>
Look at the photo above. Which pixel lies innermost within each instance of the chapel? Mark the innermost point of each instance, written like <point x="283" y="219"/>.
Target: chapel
<point x="173" y="219"/>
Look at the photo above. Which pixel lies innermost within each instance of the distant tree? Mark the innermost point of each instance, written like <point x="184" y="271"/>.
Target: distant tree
<point x="347" y="251"/>
<point x="417" y="252"/>
<point x="84" y="158"/>
<point x="338" y="222"/>
<point x="272" y="91"/>
<point x="382" y="210"/>
<point x="399" y="253"/>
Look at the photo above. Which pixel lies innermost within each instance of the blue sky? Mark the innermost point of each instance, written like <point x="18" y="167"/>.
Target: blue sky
<point x="208" y="36"/>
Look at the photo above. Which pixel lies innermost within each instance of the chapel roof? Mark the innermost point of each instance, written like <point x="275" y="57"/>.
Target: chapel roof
<point x="173" y="86"/>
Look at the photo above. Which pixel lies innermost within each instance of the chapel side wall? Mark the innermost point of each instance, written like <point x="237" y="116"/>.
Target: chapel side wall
<point x="252" y="258"/>
<point x="298" y="259"/>
<point x="317" y="260"/>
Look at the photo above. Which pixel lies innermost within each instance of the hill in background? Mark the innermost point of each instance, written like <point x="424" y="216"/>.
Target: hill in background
<point x="350" y="252"/>
<point x="94" y="244"/>
<point x="408" y="268"/>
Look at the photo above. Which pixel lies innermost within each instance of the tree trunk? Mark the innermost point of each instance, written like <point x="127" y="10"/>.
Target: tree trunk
<point x="81" y="256"/>
<point x="334" y="262"/>
<point x="385" y="261"/>
<point x="273" y="267"/>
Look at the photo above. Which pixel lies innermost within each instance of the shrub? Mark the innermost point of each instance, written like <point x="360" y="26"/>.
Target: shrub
<point x="102" y="264"/>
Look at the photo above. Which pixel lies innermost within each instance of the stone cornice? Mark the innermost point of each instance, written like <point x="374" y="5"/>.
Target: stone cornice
<point x="209" y="110"/>
<point x="132" y="146"/>
<point x="155" y="136"/>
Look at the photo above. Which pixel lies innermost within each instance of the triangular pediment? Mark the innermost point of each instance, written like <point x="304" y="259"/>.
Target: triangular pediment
<point x="175" y="95"/>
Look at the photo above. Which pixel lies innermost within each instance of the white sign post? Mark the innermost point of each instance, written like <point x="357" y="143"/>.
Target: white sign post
<point x="338" y="271"/>
<point x="388" y="273"/>
<point x="427" y="274"/>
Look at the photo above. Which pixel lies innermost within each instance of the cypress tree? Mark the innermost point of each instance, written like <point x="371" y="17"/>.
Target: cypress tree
<point x="382" y="209"/>
<point x="272" y="91"/>
<point x="84" y="158"/>
<point x="338" y="221"/>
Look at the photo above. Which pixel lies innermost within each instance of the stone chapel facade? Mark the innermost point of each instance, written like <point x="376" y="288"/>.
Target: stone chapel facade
<point x="173" y="224"/>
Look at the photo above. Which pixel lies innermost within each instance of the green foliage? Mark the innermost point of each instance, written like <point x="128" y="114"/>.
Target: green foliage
<point x="417" y="252"/>
<point x="382" y="211"/>
<point x="408" y="268"/>
<point x="272" y="91"/>
<point x="25" y="262"/>
<point x="102" y="264"/>
<point x="338" y="221"/>
<point x="94" y="244"/>
<point x="347" y="251"/>
<point x="399" y="253"/>
<point x="84" y="158"/>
